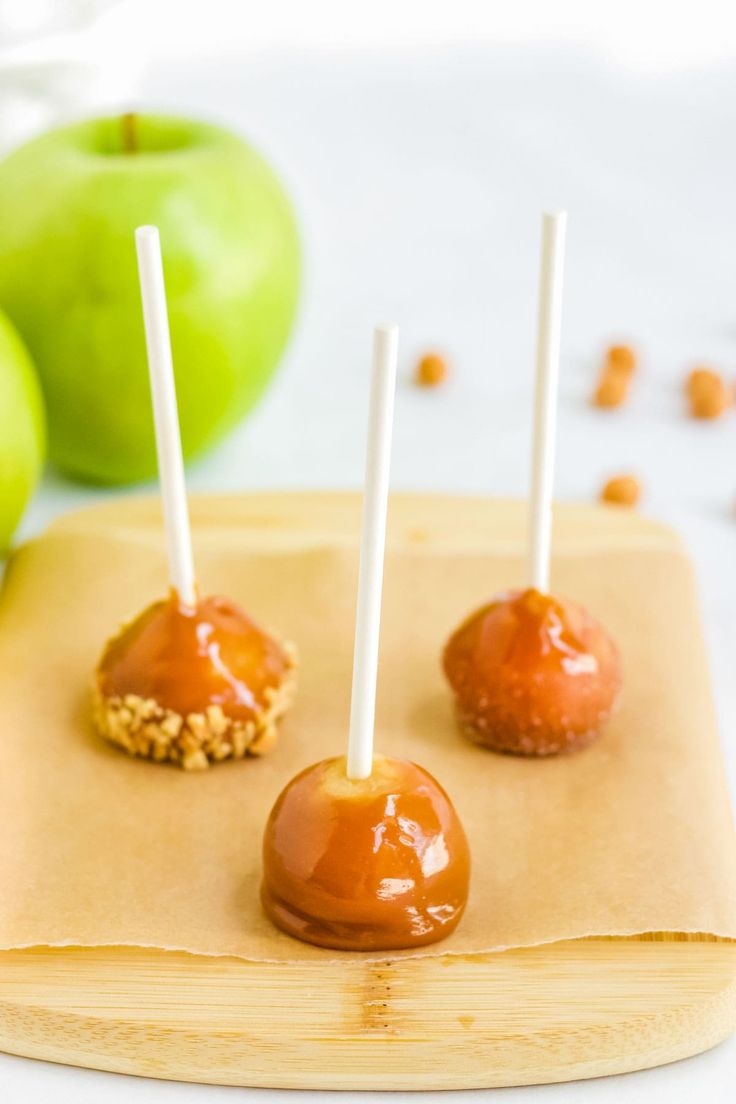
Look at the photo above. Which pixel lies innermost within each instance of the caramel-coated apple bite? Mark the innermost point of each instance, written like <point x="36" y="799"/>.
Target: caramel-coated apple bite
<point x="532" y="674"/>
<point x="193" y="684"/>
<point x="373" y="864"/>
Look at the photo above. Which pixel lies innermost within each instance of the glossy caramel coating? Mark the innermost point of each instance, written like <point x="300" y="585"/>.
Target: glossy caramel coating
<point x="372" y="865"/>
<point x="187" y="658"/>
<point x="192" y="684"/>
<point x="532" y="674"/>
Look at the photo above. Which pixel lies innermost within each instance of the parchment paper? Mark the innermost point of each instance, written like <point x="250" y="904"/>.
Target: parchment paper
<point x="632" y="835"/>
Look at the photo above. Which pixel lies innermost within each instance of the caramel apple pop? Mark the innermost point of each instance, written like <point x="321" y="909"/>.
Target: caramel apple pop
<point x="190" y="680"/>
<point x="534" y="674"/>
<point x="364" y="852"/>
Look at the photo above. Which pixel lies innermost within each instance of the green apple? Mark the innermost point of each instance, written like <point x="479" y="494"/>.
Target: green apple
<point x="22" y="430"/>
<point x="70" y="202"/>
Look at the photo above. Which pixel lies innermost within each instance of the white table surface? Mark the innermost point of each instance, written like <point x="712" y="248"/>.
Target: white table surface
<point x="419" y="179"/>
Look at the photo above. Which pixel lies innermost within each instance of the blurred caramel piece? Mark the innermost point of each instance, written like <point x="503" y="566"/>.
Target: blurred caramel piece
<point x="707" y="393"/>
<point x="619" y="365"/>
<point x="431" y="370"/>
<point x="621" y="490"/>
<point x="621" y="358"/>
<point x="612" y="390"/>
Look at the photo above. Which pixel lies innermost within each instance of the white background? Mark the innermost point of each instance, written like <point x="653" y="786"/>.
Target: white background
<point x="420" y="142"/>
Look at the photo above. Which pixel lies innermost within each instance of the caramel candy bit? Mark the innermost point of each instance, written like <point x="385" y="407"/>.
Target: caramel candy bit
<point x="707" y="394"/>
<point x="612" y="390"/>
<point x="621" y="358"/>
<point x="431" y="370"/>
<point x="622" y="490"/>
<point x="619" y="365"/>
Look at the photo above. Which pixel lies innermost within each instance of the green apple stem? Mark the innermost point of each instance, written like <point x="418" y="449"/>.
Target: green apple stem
<point x="129" y="130"/>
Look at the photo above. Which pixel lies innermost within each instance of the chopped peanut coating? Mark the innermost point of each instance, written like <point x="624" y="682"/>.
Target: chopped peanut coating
<point x="148" y="731"/>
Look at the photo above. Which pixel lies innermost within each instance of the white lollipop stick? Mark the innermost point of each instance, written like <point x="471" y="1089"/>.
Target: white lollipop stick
<point x="168" y="439"/>
<point x="372" y="547"/>
<point x="545" y="403"/>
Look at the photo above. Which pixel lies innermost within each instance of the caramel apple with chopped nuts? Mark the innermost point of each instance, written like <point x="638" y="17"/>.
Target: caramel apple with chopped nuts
<point x="191" y="680"/>
<point x="193" y="685"/>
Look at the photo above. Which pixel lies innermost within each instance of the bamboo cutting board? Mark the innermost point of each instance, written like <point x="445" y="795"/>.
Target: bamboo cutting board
<point x="560" y="1011"/>
<point x="554" y="1013"/>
